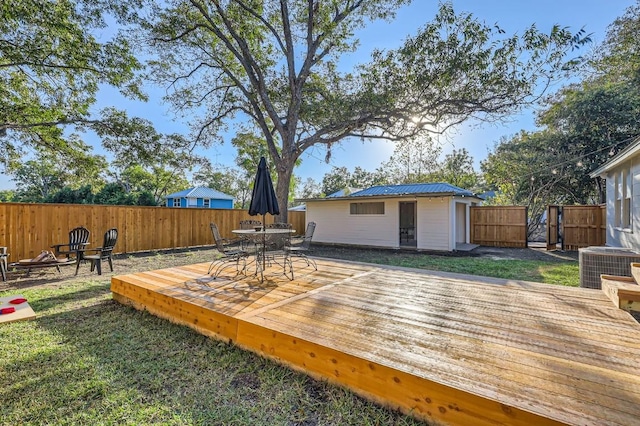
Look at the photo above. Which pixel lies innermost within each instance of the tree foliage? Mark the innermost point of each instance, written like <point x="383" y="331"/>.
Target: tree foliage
<point x="457" y="169"/>
<point x="112" y="193"/>
<point x="524" y="170"/>
<point x="619" y="56"/>
<point x="52" y="66"/>
<point x="581" y="127"/>
<point x="49" y="172"/>
<point x="7" y="195"/>
<point x="228" y="180"/>
<point x="584" y="126"/>
<point x="276" y="63"/>
<point x="413" y="160"/>
<point x="341" y="179"/>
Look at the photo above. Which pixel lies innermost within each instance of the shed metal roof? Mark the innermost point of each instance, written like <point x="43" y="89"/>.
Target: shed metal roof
<point x="413" y="189"/>
<point x="344" y="192"/>
<point x="200" y="192"/>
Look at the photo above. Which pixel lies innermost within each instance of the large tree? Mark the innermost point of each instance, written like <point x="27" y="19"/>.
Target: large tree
<point x="413" y="160"/>
<point x="341" y="179"/>
<point x="590" y="122"/>
<point x="457" y="169"/>
<point x="52" y="65"/>
<point x="275" y="62"/>
<point x="528" y="169"/>
<point x="48" y="172"/>
<point x="618" y="58"/>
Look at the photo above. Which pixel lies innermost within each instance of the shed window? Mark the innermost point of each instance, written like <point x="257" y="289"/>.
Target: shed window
<point x="176" y="202"/>
<point x="207" y="203"/>
<point x="367" y="208"/>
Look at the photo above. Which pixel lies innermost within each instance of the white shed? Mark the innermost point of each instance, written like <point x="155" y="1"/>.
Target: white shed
<point x="425" y="216"/>
<point x="622" y="174"/>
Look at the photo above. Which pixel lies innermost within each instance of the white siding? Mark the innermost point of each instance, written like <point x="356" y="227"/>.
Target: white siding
<point x="616" y="237"/>
<point x="433" y="229"/>
<point x="435" y="223"/>
<point x="336" y="225"/>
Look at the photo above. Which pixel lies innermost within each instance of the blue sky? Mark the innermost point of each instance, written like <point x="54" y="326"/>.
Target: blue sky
<point x="511" y="15"/>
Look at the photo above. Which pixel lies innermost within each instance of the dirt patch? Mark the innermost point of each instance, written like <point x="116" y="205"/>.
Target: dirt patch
<point x="531" y="253"/>
<point x="138" y="262"/>
<point x="123" y="264"/>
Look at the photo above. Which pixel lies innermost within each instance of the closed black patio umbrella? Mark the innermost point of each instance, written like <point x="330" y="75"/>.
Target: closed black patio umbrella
<point x="263" y="197"/>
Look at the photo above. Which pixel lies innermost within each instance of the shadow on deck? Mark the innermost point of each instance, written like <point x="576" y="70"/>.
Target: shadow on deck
<point x="457" y="349"/>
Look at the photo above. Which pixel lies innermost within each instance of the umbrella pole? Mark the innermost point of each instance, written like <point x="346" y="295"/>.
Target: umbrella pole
<point x="264" y="243"/>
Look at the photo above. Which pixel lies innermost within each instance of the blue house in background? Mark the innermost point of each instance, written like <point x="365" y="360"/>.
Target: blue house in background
<point x="205" y="198"/>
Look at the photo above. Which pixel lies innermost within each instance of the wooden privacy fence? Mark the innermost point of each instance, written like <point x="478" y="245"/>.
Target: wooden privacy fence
<point x="26" y="229"/>
<point x="498" y="226"/>
<point x="583" y="226"/>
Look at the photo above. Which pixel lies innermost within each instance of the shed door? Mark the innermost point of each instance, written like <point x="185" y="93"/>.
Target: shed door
<point x="408" y="224"/>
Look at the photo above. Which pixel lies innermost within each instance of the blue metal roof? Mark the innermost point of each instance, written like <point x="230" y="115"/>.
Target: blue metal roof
<point x="200" y="192"/>
<point x="413" y="189"/>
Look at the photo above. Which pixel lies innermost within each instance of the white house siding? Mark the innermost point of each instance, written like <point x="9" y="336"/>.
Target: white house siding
<point x="433" y="229"/>
<point x="435" y="223"/>
<point x="627" y="238"/>
<point x="336" y="225"/>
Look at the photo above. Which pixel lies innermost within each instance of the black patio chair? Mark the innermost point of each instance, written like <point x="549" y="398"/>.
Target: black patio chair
<point x="301" y="248"/>
<point x="3" y="263"/>
<point x="102" y="253"/>
<point x="78" y="241"/>
<point x="231" y="253"/>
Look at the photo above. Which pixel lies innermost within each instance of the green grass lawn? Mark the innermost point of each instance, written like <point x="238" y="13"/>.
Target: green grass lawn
<point x="565" y="273"/>
<point x="559" y="272"/>
<point x="88" y="360"/>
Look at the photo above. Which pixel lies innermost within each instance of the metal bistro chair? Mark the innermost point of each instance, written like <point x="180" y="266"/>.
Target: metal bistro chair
<point x="229" y="254"/>
<point x="3" y="263"/>
<point x="103" y="253"/>
<point x="248" y="224"/>
<point x="280" y="242"/>
<point x="274" y="249"/>
<point x="301" y="248"/>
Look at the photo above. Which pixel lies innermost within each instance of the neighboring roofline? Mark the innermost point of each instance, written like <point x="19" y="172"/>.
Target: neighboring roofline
<point x="223" y="196"/>
<point x="618" y="159"/>
<point x="416" y="195"/>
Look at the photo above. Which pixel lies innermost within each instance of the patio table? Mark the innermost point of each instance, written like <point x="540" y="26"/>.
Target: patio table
<point x="261" y="238"/>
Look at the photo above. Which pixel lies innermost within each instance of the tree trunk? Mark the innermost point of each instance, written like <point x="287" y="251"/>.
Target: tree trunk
<point x="285" y="171"/>
<point x="602" y="190"/>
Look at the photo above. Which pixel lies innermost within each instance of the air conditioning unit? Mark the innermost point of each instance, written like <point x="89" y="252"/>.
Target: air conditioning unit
<point x="595" y="261"/>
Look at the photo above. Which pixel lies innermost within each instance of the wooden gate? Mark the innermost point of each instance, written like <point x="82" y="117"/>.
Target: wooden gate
<point x="576" y="226"/>
<point x="583" y="226"/>
<point x="499" y="226"/>
<point x="553" y="227"/>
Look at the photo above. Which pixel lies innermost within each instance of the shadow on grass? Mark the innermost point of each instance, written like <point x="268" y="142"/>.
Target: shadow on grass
<point x="108" y="363"/>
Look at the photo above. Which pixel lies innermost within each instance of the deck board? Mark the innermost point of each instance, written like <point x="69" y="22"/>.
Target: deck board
<point x="452" y="348"/>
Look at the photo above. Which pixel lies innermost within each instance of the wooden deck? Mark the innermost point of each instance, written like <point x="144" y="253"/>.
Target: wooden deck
<point x="457" y="349"/>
